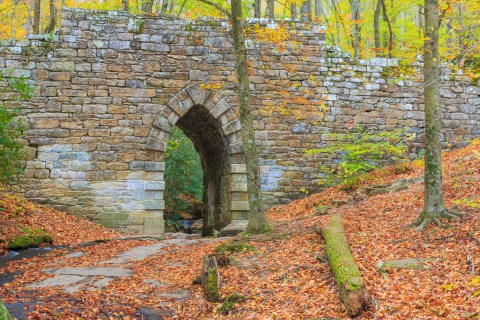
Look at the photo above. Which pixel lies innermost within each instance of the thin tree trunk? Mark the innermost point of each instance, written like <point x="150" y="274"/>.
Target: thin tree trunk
<point x="125" y="5"/>
<point x="307" y="11"/>
<point x="257" y="221"/>
<point x="376" y="28"/>
<point x="170" y="8"/>
<point x="36" y="16"/>
<point x="271" y="9"/>
<point x="390" y="31"/>
<point x="433" y="151"/>
<point x="355" y="8"/>
<point x="318" y="9"/>
<point x="293" y="10"/>
<point x="52" y="22"/>
<point x="257" y="8"/>
<point x="147" y="6"/>
<point x="164" y="6"/>
<point x="434" y="206"/>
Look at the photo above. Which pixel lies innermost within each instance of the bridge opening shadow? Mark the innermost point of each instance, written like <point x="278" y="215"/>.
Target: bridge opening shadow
<point x="205" y="133"/>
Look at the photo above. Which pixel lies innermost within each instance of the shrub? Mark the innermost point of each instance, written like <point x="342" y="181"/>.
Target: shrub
<point x="359" y="152"/>
<point x="183" y="178"/>
<point x="11" y="128"/>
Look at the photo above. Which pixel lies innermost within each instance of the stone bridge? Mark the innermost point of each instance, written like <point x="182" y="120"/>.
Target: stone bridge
<point x="111" y="86"/>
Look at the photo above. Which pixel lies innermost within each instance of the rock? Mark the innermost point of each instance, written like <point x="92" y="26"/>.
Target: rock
<point x="177" y="296"/>
<point x="411" y="263"/>
<point x="93" y="271"/>
<point x="234" y="228"/>
<point x="378" y="191"/>
<point x="75" y="254"/>
<point x="152" y="314"/>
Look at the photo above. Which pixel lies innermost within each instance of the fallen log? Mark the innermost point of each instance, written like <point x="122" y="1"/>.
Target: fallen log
<point x="4" y="315"/>
<point x="353" y="292"/>
<point x="210" y="279"/>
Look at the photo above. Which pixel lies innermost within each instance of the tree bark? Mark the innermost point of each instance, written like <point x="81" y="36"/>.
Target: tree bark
<point x="257" y="9"/>
<point x="318" y="9"/>
<point x="353" y="292"/>
<point x="355" y="8"/>
<point x="376" y="28"/>
<point x="210" y="279"/>
<point x="434" y="206"/>
<point x="147" y="6"/>
<point x="164" y="6"/>
<point x="293" y="10"/>
<point x="52" y="21"/>
<point x="257" y="221"/>
<point x="36" y="16"/>
<point x="307" y="11"/>
<point x="390" y="31"/>
<point x="125" y="5"/>
<point x="271" y="9"/>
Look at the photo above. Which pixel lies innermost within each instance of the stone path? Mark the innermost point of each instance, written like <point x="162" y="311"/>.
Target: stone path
<point x="79" y="278"/>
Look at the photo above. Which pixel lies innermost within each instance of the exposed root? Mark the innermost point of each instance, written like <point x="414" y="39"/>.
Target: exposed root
<point x="427" y="218"/>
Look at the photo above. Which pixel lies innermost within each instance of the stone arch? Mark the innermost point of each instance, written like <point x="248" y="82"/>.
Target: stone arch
<point x="215" y="130"/>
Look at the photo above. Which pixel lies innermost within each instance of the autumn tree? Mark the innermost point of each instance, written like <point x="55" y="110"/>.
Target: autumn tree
<point x="147" y="6"/>
<point x="257" y="221"/>
<point x="36" y="16"/>
<point x="434" y="206"/>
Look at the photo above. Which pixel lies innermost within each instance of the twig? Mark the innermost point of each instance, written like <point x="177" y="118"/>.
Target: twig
<point x="375" y="303"/>
<point x="218" y="7"/>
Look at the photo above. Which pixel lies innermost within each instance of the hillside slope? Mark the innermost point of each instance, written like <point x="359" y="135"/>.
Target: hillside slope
<point x="283" y="274"/>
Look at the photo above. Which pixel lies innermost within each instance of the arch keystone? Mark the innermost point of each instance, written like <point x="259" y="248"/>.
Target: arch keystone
<point x="197" y="94"/>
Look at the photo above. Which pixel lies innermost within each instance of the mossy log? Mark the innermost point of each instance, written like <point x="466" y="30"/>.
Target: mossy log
<point x="211" y="279"/>
<point x="4" y="314"/>
<point x="353" y="292"/>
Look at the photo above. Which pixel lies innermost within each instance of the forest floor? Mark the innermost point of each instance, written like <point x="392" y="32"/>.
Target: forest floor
<point x="282" y="274"/>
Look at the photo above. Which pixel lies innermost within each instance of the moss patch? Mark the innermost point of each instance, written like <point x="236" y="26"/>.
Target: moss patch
<point x="230" y="299"/>
<point x="29" y="239"/>
<point x="234" y="247"/>
<point x="4" y="314"/>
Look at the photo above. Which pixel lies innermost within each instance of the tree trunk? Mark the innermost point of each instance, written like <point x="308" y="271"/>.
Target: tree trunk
<point x="257" y="221"/>
<point x="355" y="8"/>
<point x="376" y="28"/>
<point x="390" y="31"/>
<point x="164" y="6"/>
<point x="271" y="9"/>
<point x="353" y="292"/>
<point x="36" y="16"/>
<point x="318" y="9"/>
<point x="210" y="279"/>
<point x="52" y="22"/>
<point x="125" y="5"/>
<point x="257" y="9"/>
<point x="293" y="10"/>
<point x="307" y="11"/>
<point x="147" y="6"/>
<point x="434" y="206"/>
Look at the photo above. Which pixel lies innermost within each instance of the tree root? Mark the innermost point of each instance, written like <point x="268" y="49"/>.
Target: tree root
<point x="427" y="218"/>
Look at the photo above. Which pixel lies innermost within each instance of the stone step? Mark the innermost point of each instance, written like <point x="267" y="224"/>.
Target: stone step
<point x="234" y="228"/>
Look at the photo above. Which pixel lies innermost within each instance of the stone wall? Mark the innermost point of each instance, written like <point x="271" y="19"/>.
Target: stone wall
<point x="111" y="86"/>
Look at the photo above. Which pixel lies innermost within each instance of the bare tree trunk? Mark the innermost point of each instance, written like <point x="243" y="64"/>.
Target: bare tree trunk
<point x="376" y="28"/>
<point x="390" y="31"/>
<point x="307" y="11"/>
<point x="36" y="16"/>
<point x="434" y="206"/>
<point x="318" y="9"/>
<point x="420" y="21"/>
<point x="293" y="10"/>
<point x="355" y="8"/>
<point x="164" y="6"/>
<point x="52" y="22"/>
<point x="257" y="221"/>
<point x="125" y="5"/>
<point x="257" y="8"/>
<point x="171" y="6"/>
<point x="147" y="6"/>
<point x="271" y="9"/>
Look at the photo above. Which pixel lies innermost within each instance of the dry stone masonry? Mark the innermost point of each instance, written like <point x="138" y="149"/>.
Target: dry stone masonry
<point x="111" y="86"/>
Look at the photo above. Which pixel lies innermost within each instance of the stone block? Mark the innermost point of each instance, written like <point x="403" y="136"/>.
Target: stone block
<point x="239" y="206"/>
<point x="238" y="168"/>
<point x="154" y="205"/>
<point x="154" y="185"/>
<point x="154" y="226"/>
<point x="155" y="144"/>
<point x="220" y="108"/>
<point x="154" y="166"/>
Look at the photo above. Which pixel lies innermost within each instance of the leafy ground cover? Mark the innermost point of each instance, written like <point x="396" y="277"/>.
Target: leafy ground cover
<point x="283" y="274"/>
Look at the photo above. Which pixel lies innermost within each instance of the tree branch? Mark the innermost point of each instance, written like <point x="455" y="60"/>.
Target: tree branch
<point x="216" y="6"/>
